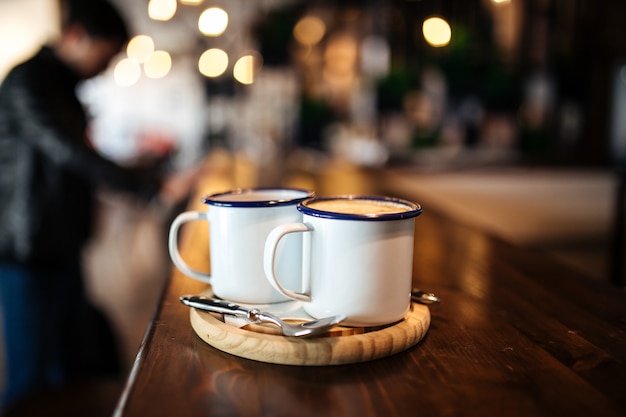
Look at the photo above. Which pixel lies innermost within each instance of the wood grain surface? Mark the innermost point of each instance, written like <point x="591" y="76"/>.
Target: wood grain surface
<point x="516" y="334"/>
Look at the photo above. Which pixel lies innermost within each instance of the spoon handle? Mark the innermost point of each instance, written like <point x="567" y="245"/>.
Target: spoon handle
<point x="424" y="297"/>
<point x="215" y="305"/>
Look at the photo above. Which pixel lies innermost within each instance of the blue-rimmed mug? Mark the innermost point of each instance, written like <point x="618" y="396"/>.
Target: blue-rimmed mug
<point x="357" y="260"/>
<point x="239" y="223"/>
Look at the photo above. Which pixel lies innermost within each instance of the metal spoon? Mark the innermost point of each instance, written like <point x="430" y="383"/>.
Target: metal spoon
<point x="424" y="297"/>
<point x="309" y="328"/>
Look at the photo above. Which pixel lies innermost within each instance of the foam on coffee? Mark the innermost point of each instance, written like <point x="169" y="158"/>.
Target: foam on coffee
<point x="362" y="207"/>
<point x="260" y="195"/>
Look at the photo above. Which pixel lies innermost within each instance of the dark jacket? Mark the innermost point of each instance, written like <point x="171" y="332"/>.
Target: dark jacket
<point x="48" y="173"/>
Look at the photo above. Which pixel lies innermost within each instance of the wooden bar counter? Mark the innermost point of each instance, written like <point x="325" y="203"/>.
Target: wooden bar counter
<point x="516" y="334"/>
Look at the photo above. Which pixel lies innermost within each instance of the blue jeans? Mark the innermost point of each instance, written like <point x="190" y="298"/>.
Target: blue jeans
<point x="52" y="335"/>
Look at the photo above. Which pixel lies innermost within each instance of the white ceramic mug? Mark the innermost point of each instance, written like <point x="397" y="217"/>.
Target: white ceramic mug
<point x="357" y="261"/>
<point x="239" y="223"/>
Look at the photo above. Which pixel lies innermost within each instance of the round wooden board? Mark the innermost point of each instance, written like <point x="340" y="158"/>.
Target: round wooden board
<point x="343" y="345"/>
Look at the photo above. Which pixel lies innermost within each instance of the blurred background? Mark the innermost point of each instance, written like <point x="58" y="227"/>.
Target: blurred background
<point x="506" y="114"/>
<point x="408" y="81"/>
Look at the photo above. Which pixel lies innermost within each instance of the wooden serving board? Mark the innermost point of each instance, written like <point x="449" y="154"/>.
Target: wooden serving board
<point x="342" y="345"/>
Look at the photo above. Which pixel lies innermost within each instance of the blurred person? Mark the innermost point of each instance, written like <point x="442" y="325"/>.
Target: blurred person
<point x="49" y="174"/>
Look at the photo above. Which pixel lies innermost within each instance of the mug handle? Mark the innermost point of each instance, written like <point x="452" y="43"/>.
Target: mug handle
<point x="269" y="258"/>
<point x="173" y="244"/>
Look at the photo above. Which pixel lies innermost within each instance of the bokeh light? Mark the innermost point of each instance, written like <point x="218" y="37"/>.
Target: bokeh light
<point x="213" y="62"/>
<point x="341" y="55"/>
<point x="246" y="68"/>
<point x="162" y="9"/>
<point x="159" y="65"/>
<point x="213" y="21"/>
<point x="140" y="48"/>
<point x="127" y="72"/>
<point x="437" y="31"/>
<point x="309" y="30"/>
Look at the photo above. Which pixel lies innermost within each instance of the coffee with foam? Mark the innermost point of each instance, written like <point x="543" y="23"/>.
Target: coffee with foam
<point x="355" y="247"/>
<point x="363" y="207"/>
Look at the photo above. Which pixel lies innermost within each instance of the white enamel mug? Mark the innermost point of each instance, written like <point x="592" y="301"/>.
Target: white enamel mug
<point x="239" y="223"/>
<point x="357" y="261"/>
